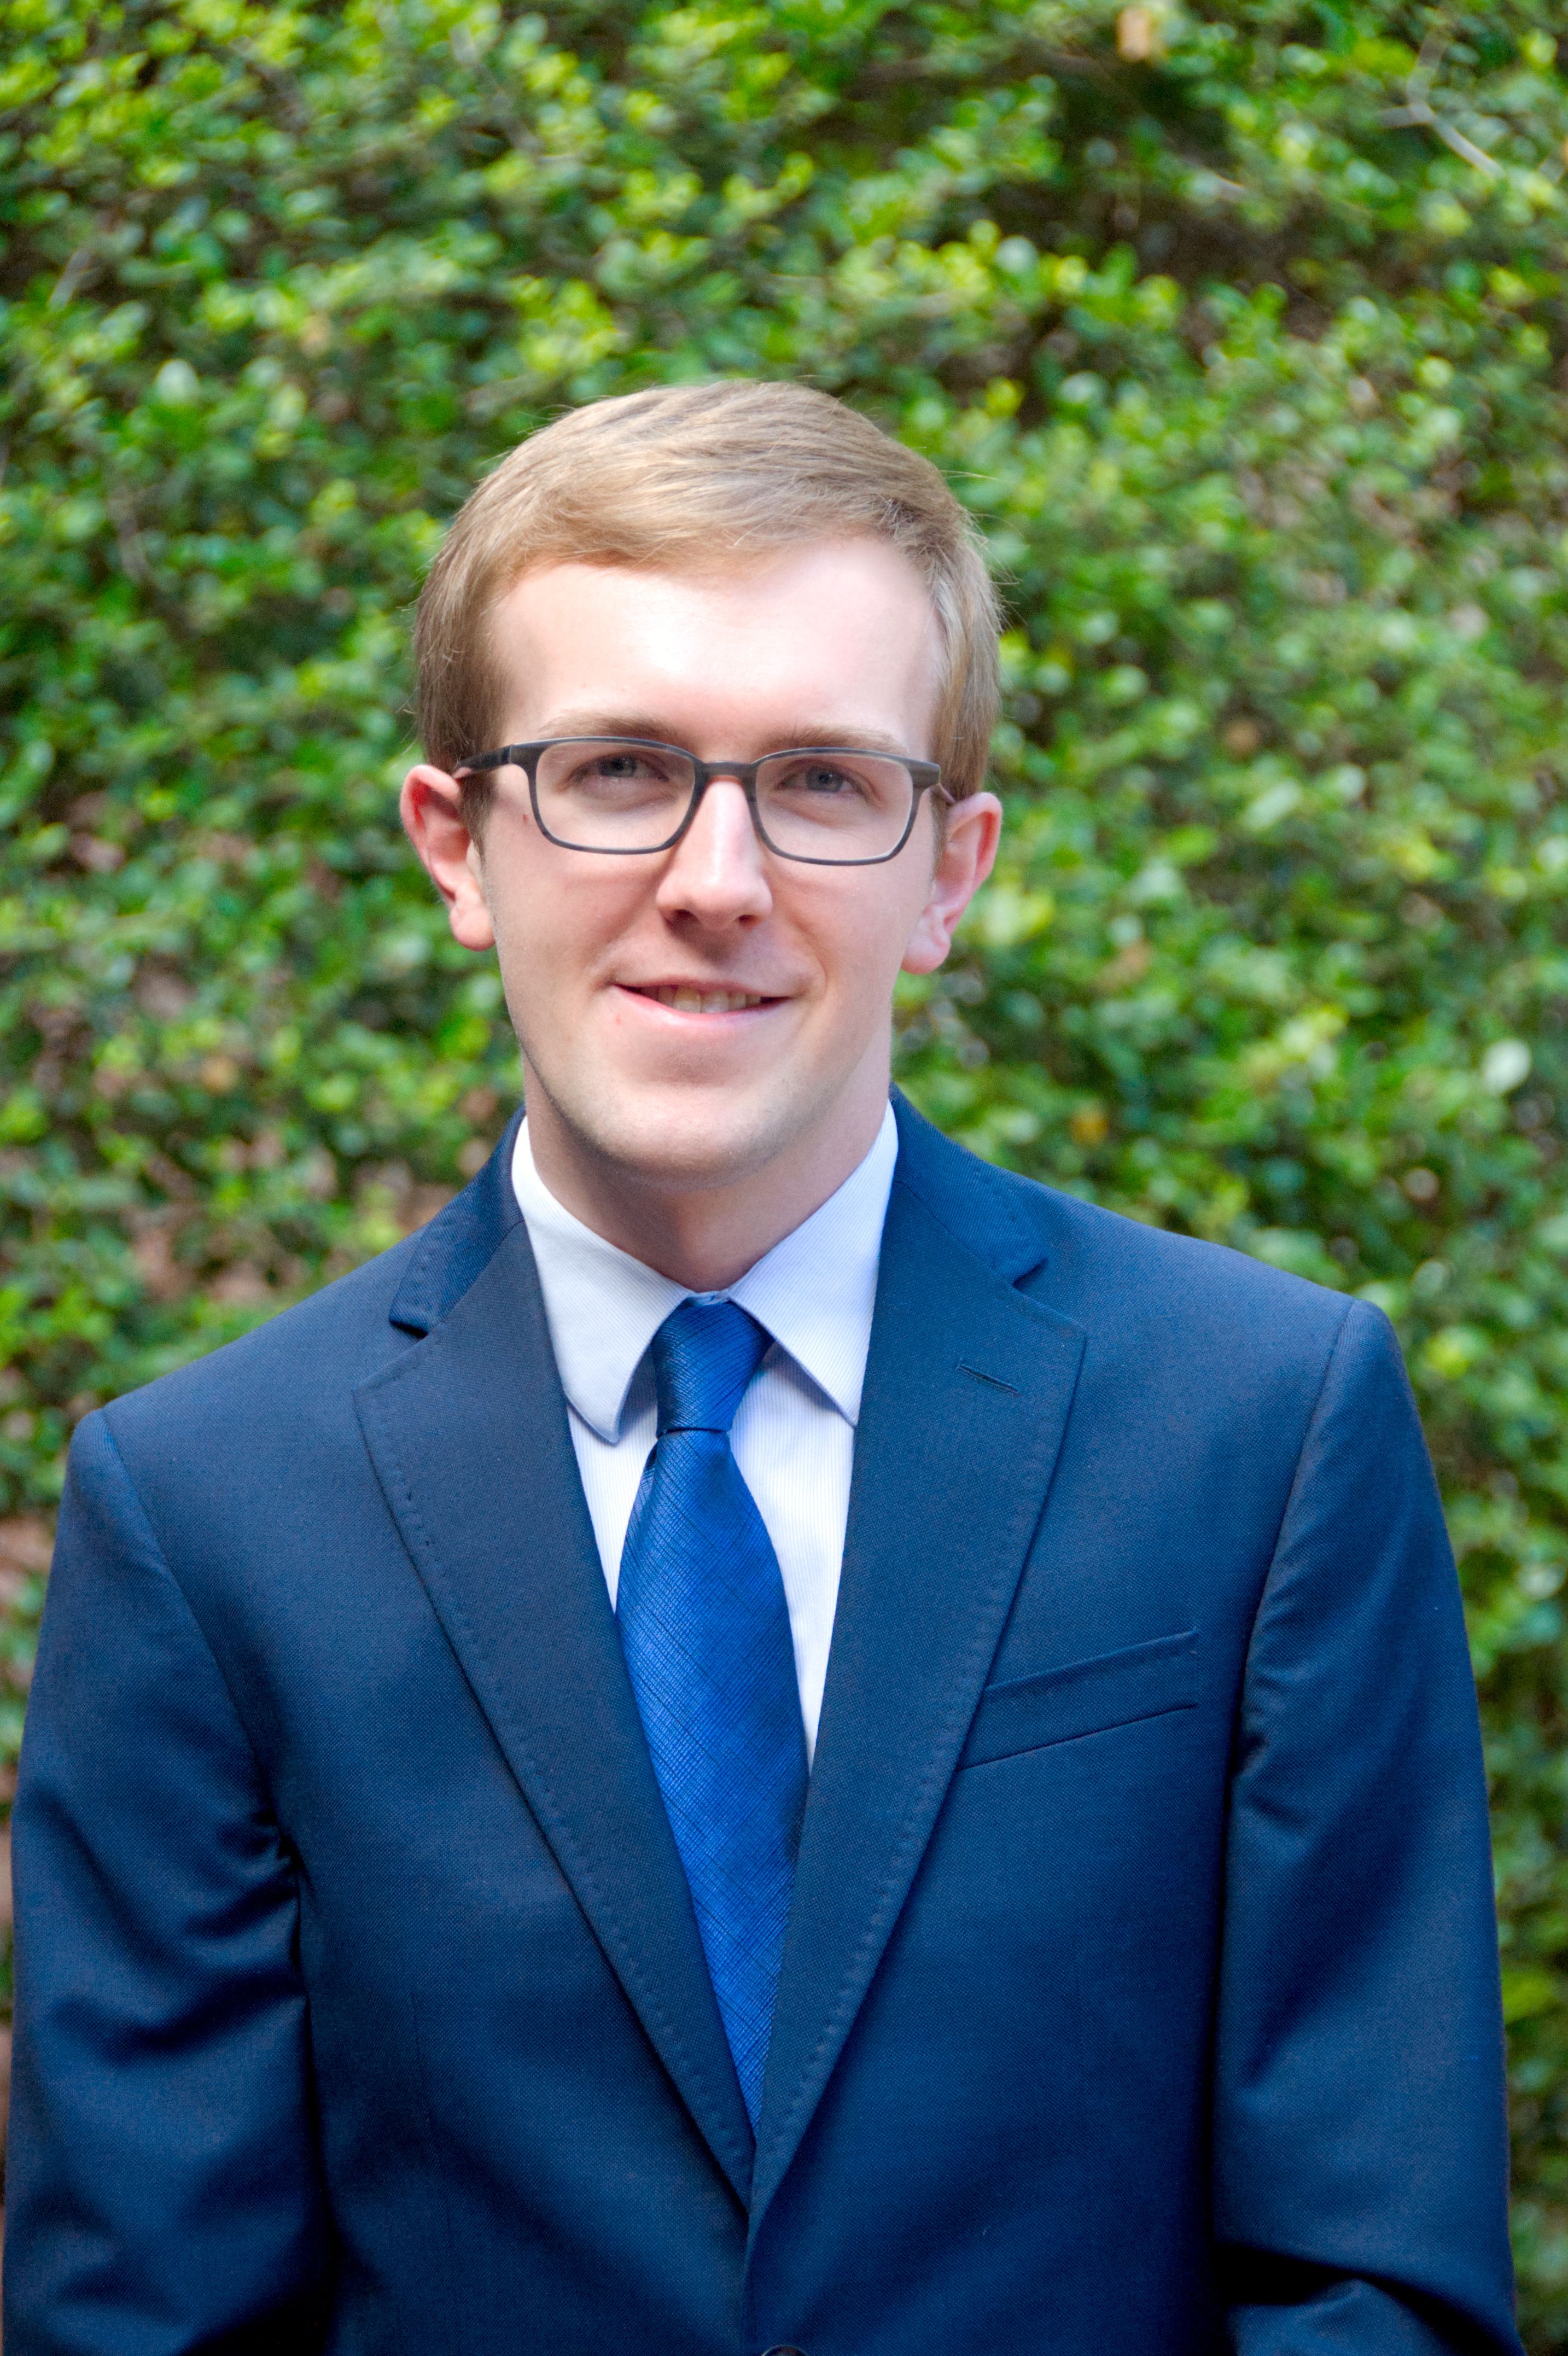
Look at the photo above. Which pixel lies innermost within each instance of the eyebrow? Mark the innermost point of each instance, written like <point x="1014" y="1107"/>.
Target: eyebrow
<point x="805" y="735"/>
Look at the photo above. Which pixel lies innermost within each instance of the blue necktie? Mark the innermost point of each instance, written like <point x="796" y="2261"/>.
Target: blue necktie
<point x="706" y="1631"/>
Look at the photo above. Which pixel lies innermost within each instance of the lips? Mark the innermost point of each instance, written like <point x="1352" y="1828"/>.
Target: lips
<point x="684" y="998"/>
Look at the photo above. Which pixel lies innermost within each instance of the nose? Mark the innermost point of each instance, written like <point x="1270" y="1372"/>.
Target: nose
<point x="715" y="873"/>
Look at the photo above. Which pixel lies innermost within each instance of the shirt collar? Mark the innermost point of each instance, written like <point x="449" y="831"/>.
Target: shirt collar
<point x="814" y="1291"/>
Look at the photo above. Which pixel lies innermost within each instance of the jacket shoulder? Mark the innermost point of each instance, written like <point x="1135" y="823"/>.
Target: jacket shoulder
<point x="1100" y="1266"/>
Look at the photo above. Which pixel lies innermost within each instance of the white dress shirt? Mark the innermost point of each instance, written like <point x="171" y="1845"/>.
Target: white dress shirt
<point x="794" y="1431"/>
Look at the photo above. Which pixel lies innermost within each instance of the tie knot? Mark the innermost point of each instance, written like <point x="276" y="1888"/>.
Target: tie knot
<point x="705" y="1355"/>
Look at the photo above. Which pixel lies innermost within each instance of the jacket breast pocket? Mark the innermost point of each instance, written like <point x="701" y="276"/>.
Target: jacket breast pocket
<point x="1084" y="1697"/>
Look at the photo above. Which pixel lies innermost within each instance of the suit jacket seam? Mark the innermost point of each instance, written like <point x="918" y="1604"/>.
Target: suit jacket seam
<point x="437" y="1238"/>
<point x="1351" y="1309"/>
<point x="582" y="1865"/>
<point x="919" y="1797"/>
<point x="194" y="1617"/>
<point x="912" y="1815"/>
<point x="965" y="1242"/>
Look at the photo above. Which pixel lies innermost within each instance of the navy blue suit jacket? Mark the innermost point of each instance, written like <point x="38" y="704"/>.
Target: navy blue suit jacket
<point x="1140" y="1991"/>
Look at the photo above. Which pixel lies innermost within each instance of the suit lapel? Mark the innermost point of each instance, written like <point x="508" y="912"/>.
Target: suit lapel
<point x="469" y="1437"/>
<point x="967" y="1392"/>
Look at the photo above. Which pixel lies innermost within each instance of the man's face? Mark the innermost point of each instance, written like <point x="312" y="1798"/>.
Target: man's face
<point x="688" y="1017"/>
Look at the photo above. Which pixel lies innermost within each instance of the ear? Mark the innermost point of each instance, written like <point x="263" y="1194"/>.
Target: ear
<point x="965" y="860"/>
<point x="431" y="808"/>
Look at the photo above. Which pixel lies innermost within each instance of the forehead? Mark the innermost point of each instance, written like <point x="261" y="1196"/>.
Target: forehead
<point x="830" y="631"/>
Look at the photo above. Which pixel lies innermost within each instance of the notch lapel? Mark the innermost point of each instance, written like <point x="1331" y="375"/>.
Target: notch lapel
<point x="968" y="1388"/>
<point x="468" y="1433"/>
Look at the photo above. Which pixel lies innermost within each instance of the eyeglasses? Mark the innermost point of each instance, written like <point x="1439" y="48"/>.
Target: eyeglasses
<point x="823" y="804"/>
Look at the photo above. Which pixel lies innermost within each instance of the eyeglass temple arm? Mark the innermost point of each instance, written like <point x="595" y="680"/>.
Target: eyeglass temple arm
<point x="500" y="760"/>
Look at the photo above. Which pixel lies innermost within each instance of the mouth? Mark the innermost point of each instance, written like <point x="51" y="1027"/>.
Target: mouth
<point x="685" y="998"/>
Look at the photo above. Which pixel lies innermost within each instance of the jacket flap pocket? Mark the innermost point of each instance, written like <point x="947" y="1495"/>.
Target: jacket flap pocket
<point x="1084" y="1697"/>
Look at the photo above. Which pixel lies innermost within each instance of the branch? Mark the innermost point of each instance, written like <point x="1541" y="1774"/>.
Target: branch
<point x="70" y="277"/>
<point x="1420" y="112"/>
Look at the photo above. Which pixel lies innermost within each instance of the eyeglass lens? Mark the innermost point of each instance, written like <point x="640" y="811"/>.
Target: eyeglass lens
<point x="610" y="793"/>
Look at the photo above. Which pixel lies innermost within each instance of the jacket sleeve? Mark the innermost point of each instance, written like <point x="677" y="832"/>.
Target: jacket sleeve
<point x="1360" y="2150"/>
<point x="162" y="2187"/>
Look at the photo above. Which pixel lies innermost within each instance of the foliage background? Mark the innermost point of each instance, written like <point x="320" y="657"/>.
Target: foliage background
<point x="1241" y="329"/>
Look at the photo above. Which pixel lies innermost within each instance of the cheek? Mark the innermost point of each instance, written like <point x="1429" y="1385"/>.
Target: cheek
<point x="862" y="941"/>
<point x="552" y="924"/>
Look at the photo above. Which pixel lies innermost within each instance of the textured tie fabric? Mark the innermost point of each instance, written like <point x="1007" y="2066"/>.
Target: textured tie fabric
<point x="705" y="1630"/>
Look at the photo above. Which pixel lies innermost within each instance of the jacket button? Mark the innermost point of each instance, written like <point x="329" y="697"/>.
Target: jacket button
<point x="783" y="2352"/>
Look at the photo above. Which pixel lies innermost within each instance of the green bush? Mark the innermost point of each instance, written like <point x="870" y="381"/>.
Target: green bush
<point x="1242" y="332"/>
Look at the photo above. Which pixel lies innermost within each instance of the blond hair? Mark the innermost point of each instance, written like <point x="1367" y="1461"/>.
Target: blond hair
<point x="694" y="477"/>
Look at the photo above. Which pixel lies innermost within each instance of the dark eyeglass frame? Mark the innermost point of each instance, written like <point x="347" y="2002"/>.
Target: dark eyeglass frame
<point x="926" y="776"/>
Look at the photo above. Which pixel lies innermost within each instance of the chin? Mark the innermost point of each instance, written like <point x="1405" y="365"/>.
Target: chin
<point x="689" y="1138"/>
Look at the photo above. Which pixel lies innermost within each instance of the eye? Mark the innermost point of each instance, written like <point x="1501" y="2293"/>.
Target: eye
<point x="611" y="771"/>
<point x="613" y="767"/>
<point x="826" y="778"/>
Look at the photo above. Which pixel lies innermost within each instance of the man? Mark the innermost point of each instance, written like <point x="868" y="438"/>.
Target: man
<point x="767" y="1738"/>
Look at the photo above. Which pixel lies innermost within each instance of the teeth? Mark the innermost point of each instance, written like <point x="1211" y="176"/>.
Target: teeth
<point x="707" y="1001"/>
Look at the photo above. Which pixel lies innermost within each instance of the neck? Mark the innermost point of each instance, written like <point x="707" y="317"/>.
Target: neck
<point x="703" y="1234"/>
